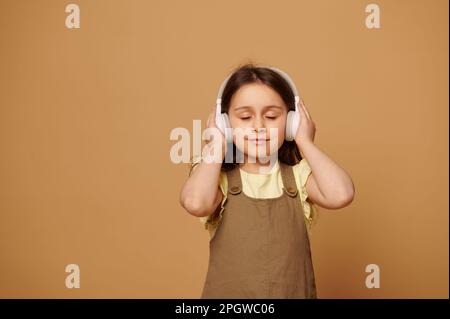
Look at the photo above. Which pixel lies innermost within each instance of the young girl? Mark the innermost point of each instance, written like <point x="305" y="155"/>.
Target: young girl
<point x="258" y="222"/>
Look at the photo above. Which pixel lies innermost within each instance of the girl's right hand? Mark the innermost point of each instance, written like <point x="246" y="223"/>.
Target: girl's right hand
<point x="211" y="124"/>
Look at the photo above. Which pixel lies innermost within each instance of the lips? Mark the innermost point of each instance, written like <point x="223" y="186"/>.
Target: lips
<point x="258" y="141"/>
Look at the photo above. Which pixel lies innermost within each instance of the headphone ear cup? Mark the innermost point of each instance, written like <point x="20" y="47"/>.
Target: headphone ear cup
<point x="226" y="123"/>
<point x="292" y="124"/>
<point x="289" y="120"/>
<point x="220" y="123"/>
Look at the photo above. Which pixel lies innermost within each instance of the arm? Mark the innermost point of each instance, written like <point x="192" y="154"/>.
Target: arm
<point x="200" y="194"/>
<point x="329" y="185"/>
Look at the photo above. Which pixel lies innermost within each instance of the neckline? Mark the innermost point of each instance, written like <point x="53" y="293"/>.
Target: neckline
<point x="235" y="185"/>
<point x="270" y="172"/>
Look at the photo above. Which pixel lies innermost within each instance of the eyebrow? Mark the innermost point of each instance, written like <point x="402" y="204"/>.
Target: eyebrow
<point x="265" y="107"/>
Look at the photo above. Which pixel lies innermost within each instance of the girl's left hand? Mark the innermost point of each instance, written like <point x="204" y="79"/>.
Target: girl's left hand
<point x="307" y="128"/>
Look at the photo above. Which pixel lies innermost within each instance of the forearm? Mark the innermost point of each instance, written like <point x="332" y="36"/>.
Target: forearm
<point x="332" y="180"/>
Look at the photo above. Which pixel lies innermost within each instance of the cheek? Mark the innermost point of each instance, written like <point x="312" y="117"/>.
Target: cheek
<point x="280" y="128"/>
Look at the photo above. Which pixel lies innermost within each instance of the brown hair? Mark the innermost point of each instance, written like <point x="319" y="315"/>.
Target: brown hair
<point x="250" y="73"/>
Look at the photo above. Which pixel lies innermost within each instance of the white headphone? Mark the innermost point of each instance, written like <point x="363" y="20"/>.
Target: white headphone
<point x="293" y="117"/>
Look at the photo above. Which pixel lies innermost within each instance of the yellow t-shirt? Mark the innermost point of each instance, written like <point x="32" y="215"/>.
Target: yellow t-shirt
<point x="266" y="185"/>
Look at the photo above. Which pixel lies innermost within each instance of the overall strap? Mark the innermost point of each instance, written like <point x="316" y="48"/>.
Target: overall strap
<point x="289" y="185"/>
<point x="234" y="181"/>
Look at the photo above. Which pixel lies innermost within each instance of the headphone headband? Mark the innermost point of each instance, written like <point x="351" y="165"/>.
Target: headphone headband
<point x="278" y="71"/>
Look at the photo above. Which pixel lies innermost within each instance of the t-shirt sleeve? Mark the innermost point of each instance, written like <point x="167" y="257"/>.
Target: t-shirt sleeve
<point x="302" y="171"/>
<point x="195" y="160"/>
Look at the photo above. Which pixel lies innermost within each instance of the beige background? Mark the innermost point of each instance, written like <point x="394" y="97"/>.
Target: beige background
<point x="85" y="118"/>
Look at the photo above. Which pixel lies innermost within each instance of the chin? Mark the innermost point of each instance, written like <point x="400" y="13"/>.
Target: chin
<point x="254" y="154"/>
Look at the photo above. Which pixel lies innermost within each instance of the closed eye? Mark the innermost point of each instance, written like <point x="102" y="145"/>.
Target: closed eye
<point x="268" y="117"/>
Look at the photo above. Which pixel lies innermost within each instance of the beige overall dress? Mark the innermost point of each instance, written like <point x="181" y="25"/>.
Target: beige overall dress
<point x="261" y="247"/>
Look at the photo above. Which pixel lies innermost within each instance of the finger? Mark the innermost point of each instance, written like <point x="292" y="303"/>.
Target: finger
<point x="305" y="110"/>
<point x="213" y="117"/>
<point x="210" y="122"/>
<point x="302" y="112"/>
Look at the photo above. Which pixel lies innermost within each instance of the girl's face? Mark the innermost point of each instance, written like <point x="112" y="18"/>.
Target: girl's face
<point x="257" y="115"/>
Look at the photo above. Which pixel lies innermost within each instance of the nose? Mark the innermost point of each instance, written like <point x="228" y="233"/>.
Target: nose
<point x="258" y="125"/>
<point x="259" y="130"/>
